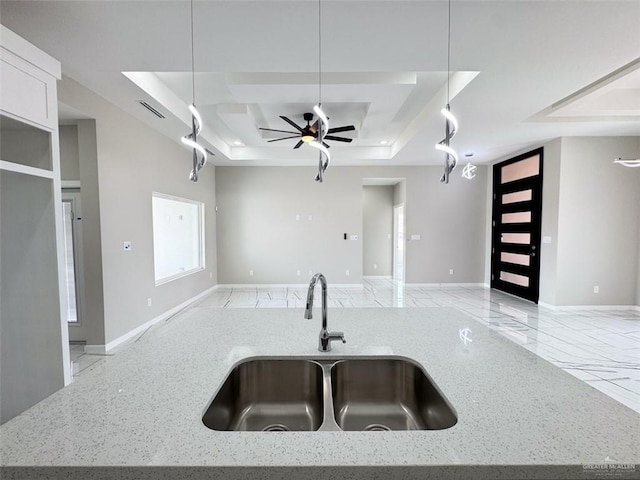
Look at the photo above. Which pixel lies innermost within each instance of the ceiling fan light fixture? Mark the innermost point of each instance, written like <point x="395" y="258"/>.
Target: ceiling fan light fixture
<point x="307" y="138"/>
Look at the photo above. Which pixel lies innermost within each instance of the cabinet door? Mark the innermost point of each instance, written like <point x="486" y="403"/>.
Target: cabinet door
<point x="27" y="92"/>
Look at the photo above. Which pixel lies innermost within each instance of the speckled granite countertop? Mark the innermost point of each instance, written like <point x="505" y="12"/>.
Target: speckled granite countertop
<point x="142" y="408"/>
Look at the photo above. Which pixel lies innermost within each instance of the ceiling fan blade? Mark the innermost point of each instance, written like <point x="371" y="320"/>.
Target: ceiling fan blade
<point x="272" y="130"/>
<point x="299" y="144"/>
<point x="290" y="122"/>
<point x="314" y="127"/>
<point x="328" y="146"/>
<point x="283" y="138"/>
<point x="348" y="128"/>
<point x="338" y="139"/>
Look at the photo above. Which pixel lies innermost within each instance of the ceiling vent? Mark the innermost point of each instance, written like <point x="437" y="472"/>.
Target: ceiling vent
<point x="151" y="109"/>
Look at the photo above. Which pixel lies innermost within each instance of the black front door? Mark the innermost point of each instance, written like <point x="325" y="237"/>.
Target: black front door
<point x="517" y="211"/>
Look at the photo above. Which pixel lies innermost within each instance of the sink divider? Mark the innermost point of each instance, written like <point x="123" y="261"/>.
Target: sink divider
<point x="329" y="420"/>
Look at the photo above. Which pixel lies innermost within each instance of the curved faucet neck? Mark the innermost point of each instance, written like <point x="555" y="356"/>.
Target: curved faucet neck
<point x="312" y="286"/>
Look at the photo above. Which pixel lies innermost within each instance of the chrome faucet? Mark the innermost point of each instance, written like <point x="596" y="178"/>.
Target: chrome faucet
<point x="326" y="337"/>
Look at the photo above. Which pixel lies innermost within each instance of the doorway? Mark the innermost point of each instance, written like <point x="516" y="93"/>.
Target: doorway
<point x="399" y="243"/>
<point x="72" y="236"/>
<point x="516" y="225"/>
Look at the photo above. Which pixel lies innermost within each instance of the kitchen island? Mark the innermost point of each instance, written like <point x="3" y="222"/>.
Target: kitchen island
<point x="139" y="413"/>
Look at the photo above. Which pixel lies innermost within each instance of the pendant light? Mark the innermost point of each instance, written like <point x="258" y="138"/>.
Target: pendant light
<point x="191" y="139"/>
<point x="323" y="120"/>
<point x="451" y="123"/>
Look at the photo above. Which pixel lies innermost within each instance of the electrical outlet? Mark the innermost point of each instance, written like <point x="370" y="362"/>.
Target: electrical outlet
<point x="127" y="246"/>
<point x="310" y="217"/>
<point x="297" y="218"/>
<point x="298" y="272"/>
<point x="149" y="302"/>
<point x="210" y="274"/>
<point x="346" y="272"/>
<point x="451" y="271"/>
<point x="596" y="289"/>
<point x="310" y="272"/>
<point x="375" y="266"/>
<point x="353" y="237"/>
<point x="251" y="273"/>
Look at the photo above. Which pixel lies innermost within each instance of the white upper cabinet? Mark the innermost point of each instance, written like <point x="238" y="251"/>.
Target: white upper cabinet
<point x="27" y="81"/>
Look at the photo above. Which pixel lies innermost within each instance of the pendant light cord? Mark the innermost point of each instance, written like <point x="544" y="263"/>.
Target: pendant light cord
<point x="449" y="53"/>
<point x="319" y="52"/>
<point x="193" y="75"/>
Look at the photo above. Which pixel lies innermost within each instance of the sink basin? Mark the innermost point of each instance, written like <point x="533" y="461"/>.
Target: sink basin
<point x="269" y="395"/>
<point x="279" y="394"/>
<point x="387" y="394"/>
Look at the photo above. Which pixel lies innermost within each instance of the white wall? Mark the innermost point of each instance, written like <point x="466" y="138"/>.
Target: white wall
<point x="69" y="157"/>
<point x="549" y="227"/>
<point x="599" y="221"/>
<point x="377" y="230"/>
<point x="638" y="278"/>
<point x="133" y="161"/>
<point x="258" y="230"/>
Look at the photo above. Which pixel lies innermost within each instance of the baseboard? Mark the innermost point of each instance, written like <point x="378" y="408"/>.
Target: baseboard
<point x="547" y="305"/>
<point x="95" y="349"/>
<point x="378" y="277"/>
<point x="267" y="286"/>
<point x="118" y="341"/>
<point x="573" y="308"/>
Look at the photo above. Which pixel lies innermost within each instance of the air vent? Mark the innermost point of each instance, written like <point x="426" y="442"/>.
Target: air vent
<point x="151" y="109"/>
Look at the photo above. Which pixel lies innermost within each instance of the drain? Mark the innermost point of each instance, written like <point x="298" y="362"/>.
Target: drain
<point x="376" y="427"/>
<point x="276" y="427"/>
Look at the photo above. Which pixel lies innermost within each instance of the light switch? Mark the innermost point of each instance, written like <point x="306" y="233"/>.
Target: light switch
<point x="415" y="237"/>
<point x="546" y="239"/>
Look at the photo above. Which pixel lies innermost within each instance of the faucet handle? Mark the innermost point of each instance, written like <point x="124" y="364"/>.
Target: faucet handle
<point x="337" y="336"/>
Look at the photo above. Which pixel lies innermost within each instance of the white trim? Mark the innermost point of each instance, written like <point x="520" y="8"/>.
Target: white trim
<point x="27" y="51"/>
<point x="94" y="349"/>
<point x="179" y="275"/>
<point x="445" y="285"/>
<point x="547" y="305"/>
<point x="172" y="311"/>
<point x="573" y="308"/>
<point x="264" y="286"/>
<point x="19" y="168"/>
<point x="70" y="183"/>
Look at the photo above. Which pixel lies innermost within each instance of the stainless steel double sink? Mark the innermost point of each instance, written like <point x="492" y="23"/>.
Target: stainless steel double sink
<point x="277" y="394"/>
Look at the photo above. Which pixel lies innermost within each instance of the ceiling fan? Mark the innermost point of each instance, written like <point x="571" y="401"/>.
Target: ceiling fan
<point x="310" y="132"/>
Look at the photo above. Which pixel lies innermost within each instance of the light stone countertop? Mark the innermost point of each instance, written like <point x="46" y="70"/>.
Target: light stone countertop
<point x="143" y="407"/>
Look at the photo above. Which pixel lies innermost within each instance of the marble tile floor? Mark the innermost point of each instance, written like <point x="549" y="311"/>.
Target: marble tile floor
<point x="599" y="347"/>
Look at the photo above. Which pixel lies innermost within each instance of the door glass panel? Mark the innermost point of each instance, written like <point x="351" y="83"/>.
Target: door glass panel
<point x="514" y="278"/>
<point x="521" y="196"/>
<point x="516" y="258"/>
<point x="516" y="217"/>
<point x="529" y="167"/>
<point x="519" y="238"/>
